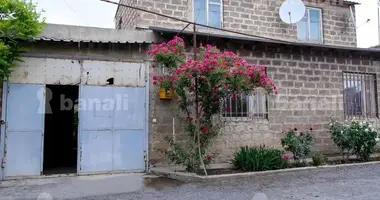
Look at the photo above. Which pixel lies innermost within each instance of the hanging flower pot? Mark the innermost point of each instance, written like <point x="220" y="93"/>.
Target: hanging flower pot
<point x="166" y="93"/>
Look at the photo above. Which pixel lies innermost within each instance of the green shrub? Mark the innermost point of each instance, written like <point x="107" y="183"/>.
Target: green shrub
<point x="354" y="137"/>
<point x="258" y="159"/>
<point x="319" y="159"/>
<point x="299" y="144"/>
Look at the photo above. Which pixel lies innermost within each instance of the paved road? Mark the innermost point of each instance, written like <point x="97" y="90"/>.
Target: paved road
<point x="357" y="183"/>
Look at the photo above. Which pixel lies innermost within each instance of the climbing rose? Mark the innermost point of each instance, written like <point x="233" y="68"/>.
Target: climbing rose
<point x="295" y="129"/>
<point x="311" y="129"/>
<point x="302" y="134"/>
<point x="205" y="129"/>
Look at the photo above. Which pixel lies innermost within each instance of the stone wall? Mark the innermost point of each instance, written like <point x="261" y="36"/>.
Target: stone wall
<point x="256" y="17"/>
<point x="311" y="92"/>
<point x="127" y="16"/>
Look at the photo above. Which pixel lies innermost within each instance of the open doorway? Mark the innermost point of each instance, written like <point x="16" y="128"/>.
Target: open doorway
<point x="61" y="125"/>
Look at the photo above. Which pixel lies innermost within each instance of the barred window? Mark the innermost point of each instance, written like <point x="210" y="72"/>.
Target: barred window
<point x="252" y="106"/>
<point x="360" y="95"/>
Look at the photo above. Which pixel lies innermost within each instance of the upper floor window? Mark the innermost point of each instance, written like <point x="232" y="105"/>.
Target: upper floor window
<point x="359" y="95"/>
<point x="310" y="26"/>
<point x="208" y="12"/>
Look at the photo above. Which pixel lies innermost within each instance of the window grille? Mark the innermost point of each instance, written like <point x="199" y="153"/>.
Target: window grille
<point x="360" y="95"/>
<point x="246" y="106"/>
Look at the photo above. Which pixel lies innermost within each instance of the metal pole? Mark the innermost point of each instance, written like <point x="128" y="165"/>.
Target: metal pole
<point x="378" y="18"/>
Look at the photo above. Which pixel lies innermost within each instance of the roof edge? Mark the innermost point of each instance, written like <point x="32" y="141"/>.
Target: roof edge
<point x="257" y="39"/>
<point x="60" y="32"/>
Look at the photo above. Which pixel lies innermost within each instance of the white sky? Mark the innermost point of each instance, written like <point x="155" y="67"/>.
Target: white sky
<point x="100" y="14"/>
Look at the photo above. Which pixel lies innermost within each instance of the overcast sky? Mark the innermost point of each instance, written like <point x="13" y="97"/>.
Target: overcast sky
<point x="100" y="14"/>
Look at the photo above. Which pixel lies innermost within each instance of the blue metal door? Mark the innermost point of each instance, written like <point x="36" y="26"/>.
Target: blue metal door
<point x="129" y="129"/>
<point x="112" y="129"/>
<point x="25" y="114"/>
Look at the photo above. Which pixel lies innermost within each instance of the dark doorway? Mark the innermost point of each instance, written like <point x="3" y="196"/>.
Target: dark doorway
<point x="61" y="125"/>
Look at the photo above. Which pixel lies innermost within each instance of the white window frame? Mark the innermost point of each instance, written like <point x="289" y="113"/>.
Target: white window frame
<point x="308" y="25"/>
<point x="207" y="11"/>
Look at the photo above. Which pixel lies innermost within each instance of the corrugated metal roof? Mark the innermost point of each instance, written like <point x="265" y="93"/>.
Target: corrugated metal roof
<point x="68" y="33"/>
<point x="227" y="36"/>
<point x="257" y="39"/>
<point x="351" y="2"/>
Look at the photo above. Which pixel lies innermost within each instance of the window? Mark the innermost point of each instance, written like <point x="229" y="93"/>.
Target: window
<point x="360" y="95"/>
<point x="310" y="26"/>
<point x="208" y="12"/>
<point x="247" y="106"/>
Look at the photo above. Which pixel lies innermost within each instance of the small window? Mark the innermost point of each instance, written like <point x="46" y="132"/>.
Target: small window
<point x="247" y="106"/>
<point x="208" y="12"/>
<point x="360" y="95"/>
<point x="310" y="26"/>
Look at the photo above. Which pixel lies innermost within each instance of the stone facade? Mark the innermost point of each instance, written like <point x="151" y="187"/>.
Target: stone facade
<point x="256" y="17"/>
<point x="311" y="92"/>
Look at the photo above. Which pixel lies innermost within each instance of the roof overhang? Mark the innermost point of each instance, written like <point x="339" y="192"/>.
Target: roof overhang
<point x="169" y="31"/>
<point x="68" y="33"/>
<point x="350" y="2"/>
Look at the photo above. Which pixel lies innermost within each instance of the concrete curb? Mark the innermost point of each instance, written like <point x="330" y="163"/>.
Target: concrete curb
<point x="192" y="177"/>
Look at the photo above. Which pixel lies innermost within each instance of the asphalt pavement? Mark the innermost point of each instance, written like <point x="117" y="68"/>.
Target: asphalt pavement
<point x="354" y="183"/>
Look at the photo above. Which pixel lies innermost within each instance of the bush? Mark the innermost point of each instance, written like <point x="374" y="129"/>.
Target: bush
<point x="354" y="137"/>
<point x="299" y="144"/>
<point x="319" y="159"/>
<point x="258" y="159"/>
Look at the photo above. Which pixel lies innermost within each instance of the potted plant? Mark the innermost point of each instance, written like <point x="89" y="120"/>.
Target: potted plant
<point x="164" y="84"/>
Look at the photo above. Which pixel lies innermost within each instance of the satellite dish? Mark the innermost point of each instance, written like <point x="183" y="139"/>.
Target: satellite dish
<point x="292" y="11"/>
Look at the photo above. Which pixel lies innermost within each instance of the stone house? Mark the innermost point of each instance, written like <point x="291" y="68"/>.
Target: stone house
<point x="315" y="62"/>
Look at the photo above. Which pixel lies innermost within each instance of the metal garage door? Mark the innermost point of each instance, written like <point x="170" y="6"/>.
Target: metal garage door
<point x="24" y="129"/>
<point x="112" y="129"/>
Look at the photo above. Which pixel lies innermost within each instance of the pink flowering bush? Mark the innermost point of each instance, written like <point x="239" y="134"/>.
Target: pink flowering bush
<point x="169" y="55"/>
<point x="299" y="144"/>
<point x="200" y="86"/>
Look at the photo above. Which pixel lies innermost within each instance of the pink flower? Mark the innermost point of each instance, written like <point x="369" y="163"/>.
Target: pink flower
<point x="302" y="134"/>
<point x="208" y="158"/>
<point x="227" y="109"/>
<point x="165" y="49"/>
<point x="285" y="156"/>
<point x="205" y="129"/>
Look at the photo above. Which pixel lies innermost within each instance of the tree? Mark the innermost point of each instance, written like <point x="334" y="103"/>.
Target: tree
<point x="200" y="87"/>
<point x="19" y="21"/>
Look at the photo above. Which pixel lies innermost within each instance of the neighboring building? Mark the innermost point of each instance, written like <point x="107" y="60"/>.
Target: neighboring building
<point x="325" y="22"/>
<point x="77" y="104"/>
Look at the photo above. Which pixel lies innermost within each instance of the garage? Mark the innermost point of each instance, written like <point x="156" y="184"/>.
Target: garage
<point x="67" y="116"/>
